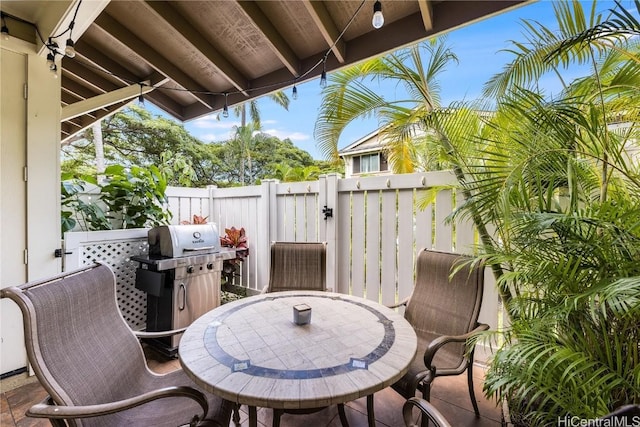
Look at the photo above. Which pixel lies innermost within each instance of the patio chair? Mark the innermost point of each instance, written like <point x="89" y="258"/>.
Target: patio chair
<point x="427" y="410"/>
<point x="297" y="266"/>
<point x="443" y="311"/>
<point x="626" y="415"/>
<point x="92" y="365"/>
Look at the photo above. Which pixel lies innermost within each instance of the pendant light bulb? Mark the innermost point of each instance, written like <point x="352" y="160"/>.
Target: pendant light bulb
<point x="70" y="49"/>
<point x="140" y="97"/>
<point x="51" y="61"/>
<point x="378" y="18"/>
<point x="225" y="109"/>
<point x="294" y="92"/>
<point x="323" y="79"/>
<point x="5" y="32"/>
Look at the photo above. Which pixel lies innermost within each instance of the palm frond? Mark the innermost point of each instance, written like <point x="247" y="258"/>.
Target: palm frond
<point x="542" y="51"/>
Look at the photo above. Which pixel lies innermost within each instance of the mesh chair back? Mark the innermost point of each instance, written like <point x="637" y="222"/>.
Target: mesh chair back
<point x="445" y="305"/>
<point x="77" y="341"/>
<point x="297" y="266"/>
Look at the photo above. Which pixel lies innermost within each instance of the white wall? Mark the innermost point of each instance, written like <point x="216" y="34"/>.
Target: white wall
<point x="29" y="181"/>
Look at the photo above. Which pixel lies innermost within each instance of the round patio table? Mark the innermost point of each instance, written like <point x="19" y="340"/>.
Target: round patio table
<point x="251" y="352"/>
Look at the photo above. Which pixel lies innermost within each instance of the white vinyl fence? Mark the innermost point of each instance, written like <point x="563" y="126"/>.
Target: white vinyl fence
<point x="373" y="227"/>
<point x="376" y="227"/>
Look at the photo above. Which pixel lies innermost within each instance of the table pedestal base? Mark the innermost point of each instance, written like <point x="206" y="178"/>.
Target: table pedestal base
<point x="277" y="414"/>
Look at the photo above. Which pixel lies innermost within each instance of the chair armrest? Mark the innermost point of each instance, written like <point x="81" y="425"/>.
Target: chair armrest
<point x="46" y="410"/>
<point x="403" y="302"/>
<point x="159" y="334"/>
<point x="437" y="343"/>
<point x="427" y="410"/>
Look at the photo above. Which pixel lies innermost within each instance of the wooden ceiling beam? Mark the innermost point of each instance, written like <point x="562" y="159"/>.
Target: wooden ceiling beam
<point x="90" y="77"/>
<point x="153" y="58"/>
<point x="87" y="121"/>
<point x="183" y="27"/>
<point x="75" y="88"/>
<point x="327" y="28"/>
<point x="427" y="14"/>
<point x="65" y="132"/>
<point x="113" y="68"/>
<point x="104" y="100"/>
<point x="278" y="44"/>
<point x="68" y="98"/>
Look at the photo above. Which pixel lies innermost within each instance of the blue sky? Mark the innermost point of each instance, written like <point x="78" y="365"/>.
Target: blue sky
<point x="478" y="48"/>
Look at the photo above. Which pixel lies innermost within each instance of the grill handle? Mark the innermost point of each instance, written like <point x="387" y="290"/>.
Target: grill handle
<point x="202" y="248"/>
<point x="182" y="291"/>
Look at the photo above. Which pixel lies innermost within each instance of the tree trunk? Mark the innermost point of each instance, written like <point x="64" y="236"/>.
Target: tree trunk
<point x="99" y="147"/>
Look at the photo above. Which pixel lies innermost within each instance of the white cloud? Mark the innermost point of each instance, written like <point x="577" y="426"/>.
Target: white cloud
<point x="211" y="122"/>
<point x="284" y="134"/>
<point x="214" y="137"/>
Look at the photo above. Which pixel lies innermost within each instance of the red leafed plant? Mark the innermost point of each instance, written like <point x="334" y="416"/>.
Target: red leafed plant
<point x="237" y="239"/>
<point x="197" y="219"/>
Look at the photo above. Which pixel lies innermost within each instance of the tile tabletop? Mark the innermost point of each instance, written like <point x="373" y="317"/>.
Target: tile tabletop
<point x="251" y="352"/>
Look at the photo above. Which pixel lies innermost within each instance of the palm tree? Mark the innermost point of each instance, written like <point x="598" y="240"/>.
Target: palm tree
<point x="555" y="180"/>
<point x="286" y="173"/>
<point x="244" y="141"/>
<point x="349" y="98"/>
<point x="244" y="134"/>
<point x="279" y="98"/>
<point x="416" y="128"/>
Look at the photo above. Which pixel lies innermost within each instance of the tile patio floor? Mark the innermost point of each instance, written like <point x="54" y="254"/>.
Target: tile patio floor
<point x="449" y="395"/>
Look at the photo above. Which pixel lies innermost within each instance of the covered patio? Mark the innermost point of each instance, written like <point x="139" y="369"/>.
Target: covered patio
<point x="189" y="58"/>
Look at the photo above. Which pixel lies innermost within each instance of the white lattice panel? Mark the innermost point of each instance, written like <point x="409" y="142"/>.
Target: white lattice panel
<point x="117" y="254"/>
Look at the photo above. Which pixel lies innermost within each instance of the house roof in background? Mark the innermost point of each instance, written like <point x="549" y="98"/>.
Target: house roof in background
<point x="189" y="54"/>
<point x="367" y="143"/>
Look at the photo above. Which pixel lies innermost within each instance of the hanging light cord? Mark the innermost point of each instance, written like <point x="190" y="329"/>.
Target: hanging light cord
<point x="247" y="90"/>
<point x="53" y="48"/>
<point x="70" y="27"/>
<point x="49" y="44"/>
<point x="328" y="52"/>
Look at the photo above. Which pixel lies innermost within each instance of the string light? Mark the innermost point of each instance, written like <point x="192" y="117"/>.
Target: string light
<point x="323" y="76"/>
<point x="225" y="109"/>
<point x="69" y="51"/>
<point x="378" y="18"/>
<point x="140" y="97"/>
<point x="51" y="58"/>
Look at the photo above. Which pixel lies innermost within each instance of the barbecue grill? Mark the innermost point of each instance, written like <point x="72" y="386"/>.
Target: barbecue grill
<point x="181" y="276"/>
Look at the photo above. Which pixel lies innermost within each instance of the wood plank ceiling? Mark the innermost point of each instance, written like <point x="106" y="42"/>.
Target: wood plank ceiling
<point x="190" y="57"/>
